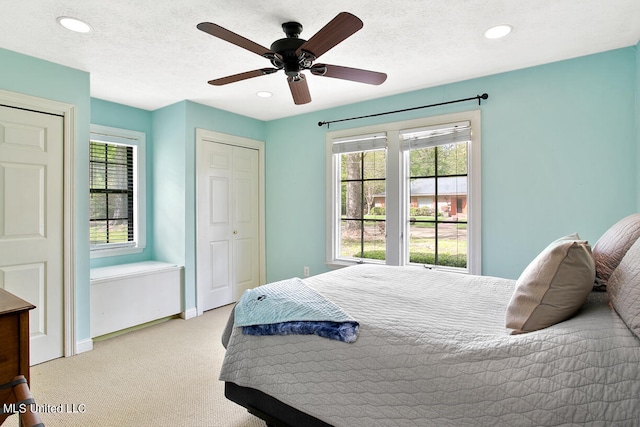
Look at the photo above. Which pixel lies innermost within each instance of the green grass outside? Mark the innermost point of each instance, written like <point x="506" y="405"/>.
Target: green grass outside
<point x="452" y="252"/>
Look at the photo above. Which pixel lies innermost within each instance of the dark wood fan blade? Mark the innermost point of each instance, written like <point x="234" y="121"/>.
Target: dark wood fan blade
<point x="347" y="73"/>
<point x="242" y="76"/>
<point x="231" y="37"/>
<point x="299" y="90"/>
<point x="337" y="30"/>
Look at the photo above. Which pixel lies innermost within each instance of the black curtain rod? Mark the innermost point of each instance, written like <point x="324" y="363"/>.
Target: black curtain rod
<point x="478" y="97"/>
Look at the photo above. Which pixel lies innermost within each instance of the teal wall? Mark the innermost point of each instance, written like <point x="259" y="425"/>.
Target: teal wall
<point x="168" y="184"/>
<point x="120" y="116"/>
<point x="171" y="215"/>
<point x="558" y="156"/>
<point x="31" y="76"/>
<point x="174" y="183"/>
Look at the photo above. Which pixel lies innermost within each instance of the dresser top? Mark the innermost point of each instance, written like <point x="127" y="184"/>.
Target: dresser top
<point x="10" y="303"/>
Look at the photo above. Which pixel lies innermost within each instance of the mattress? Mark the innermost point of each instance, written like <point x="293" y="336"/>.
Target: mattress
<point x="433" y="350"/>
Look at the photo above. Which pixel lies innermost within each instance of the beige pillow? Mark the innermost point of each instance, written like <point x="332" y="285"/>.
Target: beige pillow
<point x="553" y="286"/>
<point x="624" y="288"/>
<point x="613" y="245"/>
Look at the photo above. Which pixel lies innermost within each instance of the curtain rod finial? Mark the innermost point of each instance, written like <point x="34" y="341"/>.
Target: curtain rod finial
<point x="481" y="97"/>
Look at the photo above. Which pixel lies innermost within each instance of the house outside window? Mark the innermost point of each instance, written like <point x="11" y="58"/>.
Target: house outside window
<point x="406" y="193"/>
<point x="116" y="191"/>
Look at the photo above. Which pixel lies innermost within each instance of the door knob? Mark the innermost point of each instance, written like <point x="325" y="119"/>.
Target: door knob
<point x="235" y="231"/>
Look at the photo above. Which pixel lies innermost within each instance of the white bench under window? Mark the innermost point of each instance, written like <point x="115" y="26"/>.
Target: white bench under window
<point x="128" y="295"/>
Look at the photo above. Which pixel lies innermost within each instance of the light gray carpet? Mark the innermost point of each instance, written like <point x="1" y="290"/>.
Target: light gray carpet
<point x="162" y="375"/>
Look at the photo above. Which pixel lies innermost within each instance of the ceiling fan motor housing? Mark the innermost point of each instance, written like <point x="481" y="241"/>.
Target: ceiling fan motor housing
<point x="286" y="48"/>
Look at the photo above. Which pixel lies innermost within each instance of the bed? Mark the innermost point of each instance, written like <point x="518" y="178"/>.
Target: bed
<point x="433" y="348"/>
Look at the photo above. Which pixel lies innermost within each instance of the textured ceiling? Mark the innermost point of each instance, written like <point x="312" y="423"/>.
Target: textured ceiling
<point x="149" y="54"/>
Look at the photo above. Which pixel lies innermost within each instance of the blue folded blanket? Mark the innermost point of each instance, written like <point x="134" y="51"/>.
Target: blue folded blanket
<point x="292" y="307"/>
<point x="345" y="331"/>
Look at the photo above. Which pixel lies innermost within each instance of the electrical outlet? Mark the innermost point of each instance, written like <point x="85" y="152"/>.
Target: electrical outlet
<point x="306" y="271"/>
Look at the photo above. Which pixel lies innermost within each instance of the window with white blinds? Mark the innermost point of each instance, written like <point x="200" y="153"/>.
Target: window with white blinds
<point x="116" y="191"/>
<point x="406" y="193"/>
<point x="362" y="163"/>
<point x="438" y="194"/>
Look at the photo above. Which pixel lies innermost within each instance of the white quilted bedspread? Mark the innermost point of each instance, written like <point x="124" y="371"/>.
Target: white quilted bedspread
<point x="433" y="351"/>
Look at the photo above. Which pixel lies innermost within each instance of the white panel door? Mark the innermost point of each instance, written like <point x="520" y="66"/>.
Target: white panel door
<point x="31" y="222"/>
<point x="228" y="226"/>
<point x="245" y="220"/>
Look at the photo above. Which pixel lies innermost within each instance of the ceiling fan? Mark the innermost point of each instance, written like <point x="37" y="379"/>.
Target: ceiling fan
<point x="293" y="55"/>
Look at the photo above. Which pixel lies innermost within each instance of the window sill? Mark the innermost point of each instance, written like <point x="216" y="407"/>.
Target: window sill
<point x="337" y="264"/>
<point x="341" y="263"/>
<point x="102" y="253"/>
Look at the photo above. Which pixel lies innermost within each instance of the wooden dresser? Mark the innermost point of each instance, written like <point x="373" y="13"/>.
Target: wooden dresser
<point x="14" y="341"/>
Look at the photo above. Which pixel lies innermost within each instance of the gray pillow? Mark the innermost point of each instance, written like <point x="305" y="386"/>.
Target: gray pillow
<point x="624" y="288"/>
<point x="553" y="286"/>
<point x="613" y="245"/>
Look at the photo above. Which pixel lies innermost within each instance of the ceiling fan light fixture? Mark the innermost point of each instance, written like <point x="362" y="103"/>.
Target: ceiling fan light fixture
<point x="498" y="31"/>
<point x="74" y="24"/>
<point x="264" y="94"/>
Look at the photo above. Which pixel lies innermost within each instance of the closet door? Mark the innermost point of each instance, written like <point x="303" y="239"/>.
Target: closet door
<point x="228" y="237"/>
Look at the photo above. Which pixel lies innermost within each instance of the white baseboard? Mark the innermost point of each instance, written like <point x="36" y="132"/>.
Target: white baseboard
<point x="189" y="314"/>
<point x="84" y="345"/>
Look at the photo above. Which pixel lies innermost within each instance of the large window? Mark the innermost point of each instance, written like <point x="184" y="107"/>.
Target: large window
<point x="116" y="191"/>
<point x="437" y="169"/>
<point x="362" y="183"/>
<point x="406" y="193"/>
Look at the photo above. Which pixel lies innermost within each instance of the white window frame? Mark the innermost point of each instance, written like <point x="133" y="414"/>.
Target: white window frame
<point x="137" y="140"/>
<point x="397" y="191"/>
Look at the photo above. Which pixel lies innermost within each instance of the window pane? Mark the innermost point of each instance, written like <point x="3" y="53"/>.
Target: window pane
<point x="97" y="177"/>
<point x="118" y="231"/>
<point x="97" y="232"/>
<point x="452" y="245"/>
<point x="118" y="206"/>
<point x="438" y="205"/>
<point x="452" y="159"/>
<point x="452" y="198"/>
<point x="351" y="166"/>
<point x="98" y="206"/>
<point x="374" y="240"/>
<point x="117" y="178"/>
<point x="353" y="207"/>
<point x="374" y="198"/>
<point x="357" y="236"/>
<point x="362" y="233"/>
<point x="374" y="163"/>
<point x="422" y="162"/>
<point x="423" y="243"/>
<point x="350" y="239"/>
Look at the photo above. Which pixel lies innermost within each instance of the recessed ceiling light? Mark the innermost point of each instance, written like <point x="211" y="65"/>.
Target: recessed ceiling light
<point x="498" y="31"/>
<point x="74" y="24"/>
<point x="264" y="94"/>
